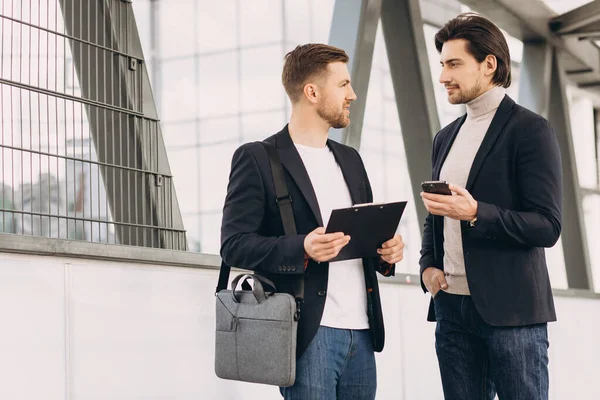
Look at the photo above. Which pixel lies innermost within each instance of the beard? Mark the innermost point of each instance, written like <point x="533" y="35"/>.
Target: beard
<point x="333" y="115"/>
<point x="465" y="97"/>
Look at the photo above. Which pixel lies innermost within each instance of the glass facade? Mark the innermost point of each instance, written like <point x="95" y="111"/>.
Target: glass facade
<point x="584" y="109"/>
<point x="215" y="69"/>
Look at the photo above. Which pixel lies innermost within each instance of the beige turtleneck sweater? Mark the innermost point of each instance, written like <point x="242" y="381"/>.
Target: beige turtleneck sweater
<point x="456" y="168"/>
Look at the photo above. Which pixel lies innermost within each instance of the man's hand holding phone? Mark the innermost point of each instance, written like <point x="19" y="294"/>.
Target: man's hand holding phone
<point x="448" y="200"/>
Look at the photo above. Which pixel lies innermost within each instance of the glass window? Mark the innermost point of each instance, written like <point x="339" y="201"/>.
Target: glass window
<point x="178" y="136"/>
<point x="513" y="89"/>
<point x="555" y="260"/>
<point x="591" y="212"/>
<point x="380" y="60"/>
<point x="260" y="126"/>
<point x="218" y="130"/>
<point x="261" y="79"/>
<point x="584" y="138"/>
<point x="177" y="90"/>
<point x="143" y="16"/>
<point x="219" y="87"/>
<point x="297" y="22"/>
<point x="184" y="168"/>
<point x="214" y="163"/>
<point x="261" y="22"/>
<point x="177" y="28"/>
<point x="217" y="26"/>
<point x="192" y="226"/>
<point x="322" y="14"/>
<point x="210" y="238"/>
<point x="373" y="118"/>
<point x="515" y="47"/>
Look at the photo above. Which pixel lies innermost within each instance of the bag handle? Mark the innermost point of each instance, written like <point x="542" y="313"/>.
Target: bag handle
<point x="284" y="202"/>
<point x="257" y="290"/>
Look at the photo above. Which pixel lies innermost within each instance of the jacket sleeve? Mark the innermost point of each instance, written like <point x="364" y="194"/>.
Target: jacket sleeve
<point x="538" y="222"/>
<point x="427" y="242"/>
<point x="242" y="245"/>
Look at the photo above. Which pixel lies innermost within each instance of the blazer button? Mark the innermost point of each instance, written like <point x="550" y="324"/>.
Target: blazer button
<point x="293" y="268"/>
<point x="321" y="292"/>
<point x="280" y="268"/>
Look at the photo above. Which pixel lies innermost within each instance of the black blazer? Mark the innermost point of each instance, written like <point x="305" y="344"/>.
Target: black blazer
<point x="516" y="180"/>
<point x="252" y="234"/>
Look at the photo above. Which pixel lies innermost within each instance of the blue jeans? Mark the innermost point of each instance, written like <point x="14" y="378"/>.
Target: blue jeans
<point x="478" y="360"/>
<point x="338" y="364"/>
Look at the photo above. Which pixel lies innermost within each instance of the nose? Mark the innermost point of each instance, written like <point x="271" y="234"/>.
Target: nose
<point x="444" y="77"/>
<point x="351" y="95"/>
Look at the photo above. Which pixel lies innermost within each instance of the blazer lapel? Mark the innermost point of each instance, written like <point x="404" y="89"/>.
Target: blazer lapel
<point x="348" y="167"/>
<point x="446" y="146"/>
<point x="292" y="162"/>
<point x="498" y="122"/>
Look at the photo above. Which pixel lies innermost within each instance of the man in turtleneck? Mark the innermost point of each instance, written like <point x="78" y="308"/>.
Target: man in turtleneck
<point x="482" y="256"/>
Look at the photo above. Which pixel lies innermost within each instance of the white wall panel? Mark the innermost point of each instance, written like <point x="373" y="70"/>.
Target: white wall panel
<point x="139" y="331"/>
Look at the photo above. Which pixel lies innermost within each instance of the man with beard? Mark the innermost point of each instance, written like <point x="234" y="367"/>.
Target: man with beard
<point x="482" y="257"/>
<point x="341" y="323"/>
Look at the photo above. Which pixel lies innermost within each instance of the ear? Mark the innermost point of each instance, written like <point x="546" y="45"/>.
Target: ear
<point x="311" y="92"/>
<point x="490" y="64"/>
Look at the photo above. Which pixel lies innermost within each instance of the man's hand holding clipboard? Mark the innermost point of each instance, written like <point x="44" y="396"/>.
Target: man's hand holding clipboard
<point x="361" y="231"/>
<point x="392" y="251"/>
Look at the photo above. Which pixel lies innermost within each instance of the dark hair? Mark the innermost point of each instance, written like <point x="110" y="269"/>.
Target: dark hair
<point x="483" y="37"/>
<point x="305" y="62"/>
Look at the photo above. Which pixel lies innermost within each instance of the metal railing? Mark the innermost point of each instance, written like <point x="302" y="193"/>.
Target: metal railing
<point x="81" y="152"/>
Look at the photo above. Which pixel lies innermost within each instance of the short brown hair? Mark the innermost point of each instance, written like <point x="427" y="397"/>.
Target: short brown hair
<point x="483" y="37"/>
<point x="305" y="62"/>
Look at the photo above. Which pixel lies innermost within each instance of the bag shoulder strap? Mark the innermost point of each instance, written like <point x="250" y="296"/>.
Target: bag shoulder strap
<point x="284" y="202"/>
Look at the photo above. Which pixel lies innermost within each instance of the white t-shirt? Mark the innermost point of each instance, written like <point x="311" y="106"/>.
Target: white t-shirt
<point x="346" y="302"/>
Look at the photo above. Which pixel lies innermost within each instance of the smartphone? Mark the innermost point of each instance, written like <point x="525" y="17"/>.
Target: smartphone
<point x="437" y="187"/>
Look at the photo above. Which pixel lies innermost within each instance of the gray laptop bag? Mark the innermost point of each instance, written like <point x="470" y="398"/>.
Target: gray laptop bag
<point x="256" y="329"/>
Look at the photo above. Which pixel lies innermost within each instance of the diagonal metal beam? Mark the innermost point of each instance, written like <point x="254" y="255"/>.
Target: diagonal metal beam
<point x="577" y="261"/>
<point x="591" y="31"/>
<point x="353" y="28"/>
<point x="534" y="82"/>
<point x="576" y="19"/>
<point x="409" y="68"/>
<point x="124" y="125"/>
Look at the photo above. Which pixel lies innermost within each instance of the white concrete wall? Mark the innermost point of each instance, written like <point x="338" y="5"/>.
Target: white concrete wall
<point x="85" y="329"/>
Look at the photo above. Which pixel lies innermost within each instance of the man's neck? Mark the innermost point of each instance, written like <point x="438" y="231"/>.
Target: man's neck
<point x="308" y="130"/>
<point x="486" y="102"/>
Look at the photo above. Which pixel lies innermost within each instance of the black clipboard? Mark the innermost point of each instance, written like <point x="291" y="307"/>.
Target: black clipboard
<point x="369" y="226"/>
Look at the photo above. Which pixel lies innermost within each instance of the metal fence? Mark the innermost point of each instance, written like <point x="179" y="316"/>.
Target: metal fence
<point x="81" y="151"/>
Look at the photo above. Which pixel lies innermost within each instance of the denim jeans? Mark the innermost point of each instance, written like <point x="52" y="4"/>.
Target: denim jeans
<point x="338" y="364"/>
<point x="478" y="360"/>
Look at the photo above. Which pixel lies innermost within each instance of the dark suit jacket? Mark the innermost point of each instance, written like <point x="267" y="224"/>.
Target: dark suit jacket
<point x="252" y="234"/>
<point x="516" y="180"/>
